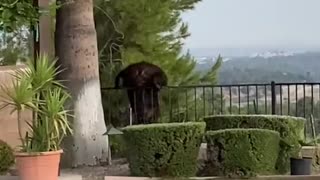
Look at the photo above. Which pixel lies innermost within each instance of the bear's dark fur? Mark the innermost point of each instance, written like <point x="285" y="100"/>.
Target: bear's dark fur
<point x="143" y="82"/>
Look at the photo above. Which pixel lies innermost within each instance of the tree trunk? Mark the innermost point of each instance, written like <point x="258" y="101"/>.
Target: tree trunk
<point x="76" y="48"/>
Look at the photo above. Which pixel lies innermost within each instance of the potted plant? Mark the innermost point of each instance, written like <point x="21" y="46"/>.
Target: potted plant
<point x="302" y="165"/>
<point x="36" y="88"/>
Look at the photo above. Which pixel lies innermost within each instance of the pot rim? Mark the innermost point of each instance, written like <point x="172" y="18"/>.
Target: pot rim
<point x="302" y="158"/>
<point x="46" y="153"/>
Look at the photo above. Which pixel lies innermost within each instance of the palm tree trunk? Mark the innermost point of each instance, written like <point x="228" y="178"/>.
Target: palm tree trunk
<point x="76" y="48"/>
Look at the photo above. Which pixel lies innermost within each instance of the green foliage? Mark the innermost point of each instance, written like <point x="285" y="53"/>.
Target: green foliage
<point x="291" y="130"/>
<point x="17" y="13"/>
<point x="17" y="16"/>
<point x="117" y="145"/>
<point x="160" y="150"/>
<point x="132" y="31"/>
<point x="37" y="89"/>
<point x="212" y="75"/>
<point x="6" y="157"/>
<point x="242" y="152"/>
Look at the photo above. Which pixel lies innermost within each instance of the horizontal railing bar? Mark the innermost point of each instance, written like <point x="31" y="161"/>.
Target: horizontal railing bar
<point x="302" y="83"/>
<point x="196" y="86"/>
<point x="226" y="85"/>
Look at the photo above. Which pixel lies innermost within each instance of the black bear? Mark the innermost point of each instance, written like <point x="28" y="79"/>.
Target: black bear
<point x="143" y="82"/>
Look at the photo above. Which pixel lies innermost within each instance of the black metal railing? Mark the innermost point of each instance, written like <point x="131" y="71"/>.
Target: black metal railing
<point x="189" y="103"/>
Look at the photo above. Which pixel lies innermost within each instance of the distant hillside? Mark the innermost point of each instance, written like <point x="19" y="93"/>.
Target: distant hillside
<point x="267" y="67"/>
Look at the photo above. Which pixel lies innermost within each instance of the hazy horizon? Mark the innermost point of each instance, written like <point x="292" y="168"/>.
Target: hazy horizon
<point x="246" y="24"/>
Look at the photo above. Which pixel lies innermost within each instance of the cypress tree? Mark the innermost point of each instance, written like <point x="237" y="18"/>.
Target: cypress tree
<point x="143" y="30"/>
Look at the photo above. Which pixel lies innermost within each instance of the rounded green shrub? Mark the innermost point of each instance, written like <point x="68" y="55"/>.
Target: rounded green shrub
<point x="241" y="152"/>
<point x="291" y="131"/>
<point x="6" y="157"/>
<point x="164" y="150"/>
<point x="290" y="128"/>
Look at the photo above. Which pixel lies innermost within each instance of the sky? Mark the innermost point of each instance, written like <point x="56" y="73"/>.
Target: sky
<point x="254" y="23"/>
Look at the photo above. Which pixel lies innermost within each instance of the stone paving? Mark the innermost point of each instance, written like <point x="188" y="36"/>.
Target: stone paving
<point x="313" y="177"/>
<point x="79" y="177"/>
<point x="63" y="177"/>
<point x="308" y="151"/>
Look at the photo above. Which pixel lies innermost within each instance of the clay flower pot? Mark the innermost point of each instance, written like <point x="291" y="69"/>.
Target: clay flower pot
<point x="38" y="166"/>
<point x="51" y="125"/>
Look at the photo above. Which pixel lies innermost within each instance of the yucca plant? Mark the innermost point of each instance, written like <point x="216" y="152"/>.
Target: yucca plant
<point x="36" y="88"/>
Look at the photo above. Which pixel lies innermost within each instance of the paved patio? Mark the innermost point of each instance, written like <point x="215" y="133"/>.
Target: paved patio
<point x="308" y="151"/>
<point x="79" y="177"/>
<point x="63" y="177"/>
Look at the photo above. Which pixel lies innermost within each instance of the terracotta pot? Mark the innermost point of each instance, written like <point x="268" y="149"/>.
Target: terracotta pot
<point x="38" y="166"/>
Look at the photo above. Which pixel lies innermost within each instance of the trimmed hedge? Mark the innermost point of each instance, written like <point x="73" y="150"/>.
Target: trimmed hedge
<point x="6" y="157"/>
<point x="164" y="150"/>
<point x="290" y="128"/>
<point x="242" y="152"/>
<point x="291" y="131"/>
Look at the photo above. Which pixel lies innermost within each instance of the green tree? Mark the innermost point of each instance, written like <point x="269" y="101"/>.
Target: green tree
<point x="153" y="31"/>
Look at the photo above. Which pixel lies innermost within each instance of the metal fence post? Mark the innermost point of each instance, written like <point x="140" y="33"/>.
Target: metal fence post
<point x="273" y="97"/>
